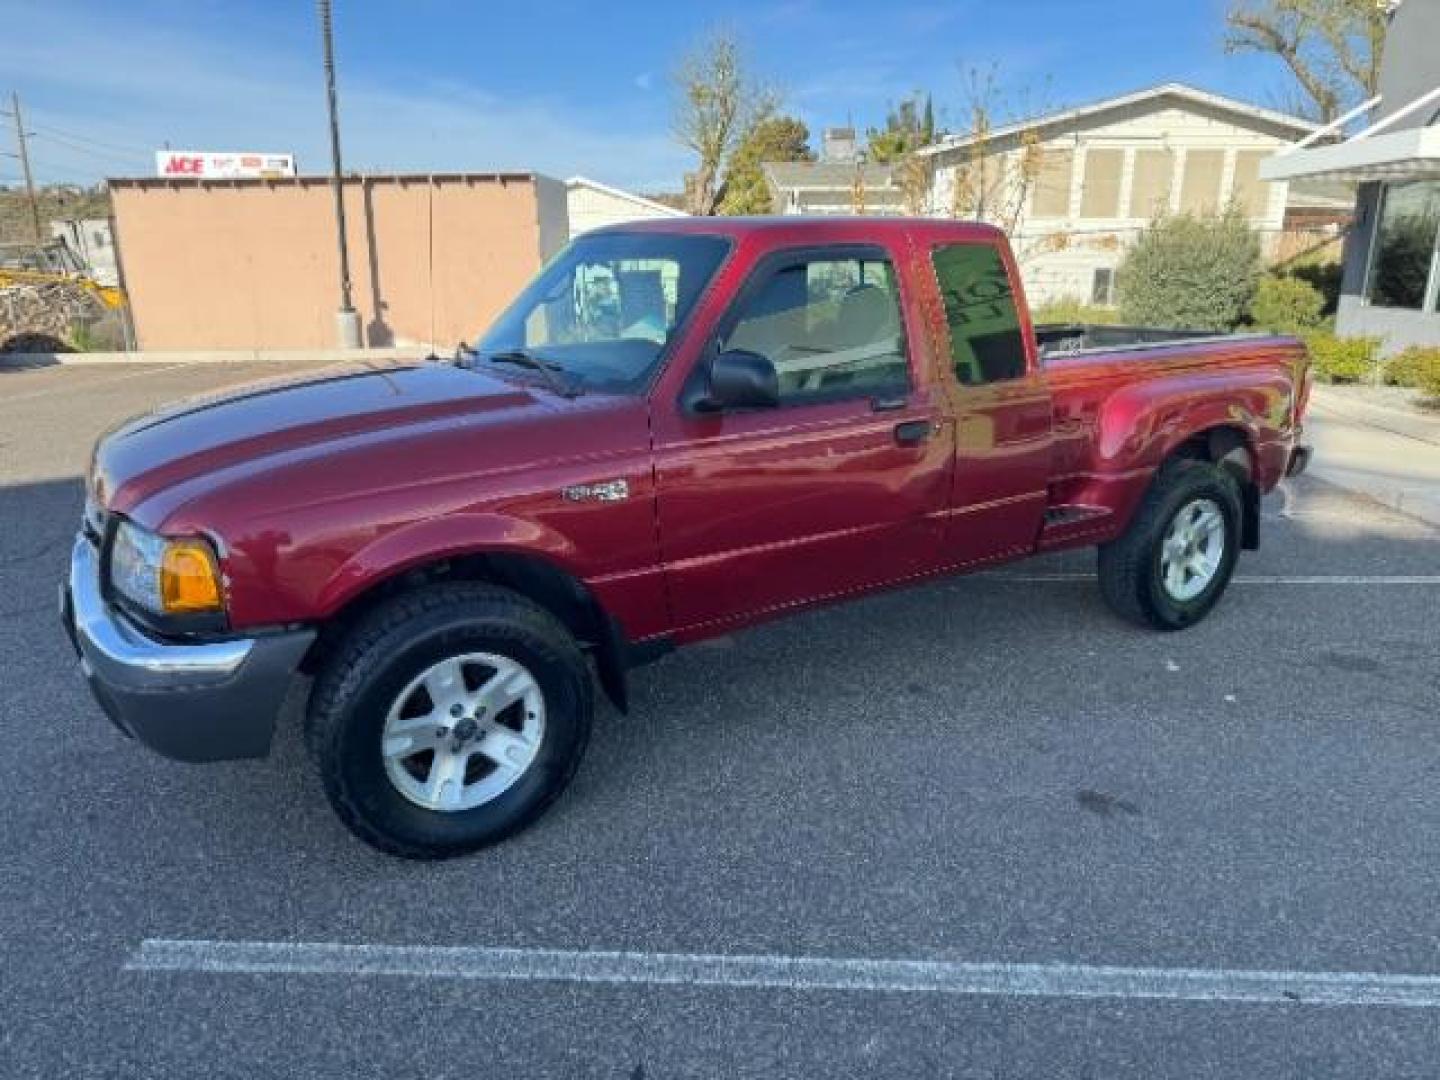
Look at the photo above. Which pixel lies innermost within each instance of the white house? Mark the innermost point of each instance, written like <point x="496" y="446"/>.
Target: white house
<point x="1077" y="187"/>
<point x="593" y="205"/>
<point x="833" y="187"/>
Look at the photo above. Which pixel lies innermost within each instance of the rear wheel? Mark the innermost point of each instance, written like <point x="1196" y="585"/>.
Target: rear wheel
<point x="1172" y="565"/>
<point x="449" y="719"/>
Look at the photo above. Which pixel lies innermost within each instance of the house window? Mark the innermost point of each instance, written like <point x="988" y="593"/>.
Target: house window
<point x="1200" y="188"/>
<point x="1100" y="194"/>
<point x="981" y="187"/>
<point x="1150" y="188"/>
<point x="1052" y="184"/>
<point x="1402" y="264"/>
<point x="1102" y="286"/>
<point x="1249" y="192"/>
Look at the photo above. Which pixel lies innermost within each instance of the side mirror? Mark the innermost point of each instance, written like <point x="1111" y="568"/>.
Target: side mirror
<point x="740" y="379"/>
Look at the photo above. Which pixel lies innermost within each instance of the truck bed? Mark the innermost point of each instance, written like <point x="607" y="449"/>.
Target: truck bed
<point x="1071" y="339"/>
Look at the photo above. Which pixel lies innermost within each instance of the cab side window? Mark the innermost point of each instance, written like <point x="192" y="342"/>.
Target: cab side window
<point x="986" y="344"/>
<point x="831" y="326"/>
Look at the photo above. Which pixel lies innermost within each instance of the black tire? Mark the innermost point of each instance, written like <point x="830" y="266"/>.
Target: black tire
<point x="379" y="658"/>
<point x="1130" y="567"/>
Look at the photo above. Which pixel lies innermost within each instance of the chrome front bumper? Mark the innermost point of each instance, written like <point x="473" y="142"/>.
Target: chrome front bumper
<point x="202" y="701"/>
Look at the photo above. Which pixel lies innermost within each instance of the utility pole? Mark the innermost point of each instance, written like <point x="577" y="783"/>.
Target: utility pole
<point x="24" y="156"/>
<point x="347" y="319"/>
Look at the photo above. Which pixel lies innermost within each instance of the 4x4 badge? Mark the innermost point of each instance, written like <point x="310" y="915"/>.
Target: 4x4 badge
<point x="604" y="491"/>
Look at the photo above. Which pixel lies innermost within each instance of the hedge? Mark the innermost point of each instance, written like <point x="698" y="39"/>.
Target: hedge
<point x="1191" y="272"/>
<point x="1343" y="360"/>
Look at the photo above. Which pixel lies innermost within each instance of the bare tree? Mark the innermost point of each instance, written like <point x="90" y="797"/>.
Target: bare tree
<point x="717" y="103"/>
<point x="995" y="177"/>
<point x="1332" y="47"/>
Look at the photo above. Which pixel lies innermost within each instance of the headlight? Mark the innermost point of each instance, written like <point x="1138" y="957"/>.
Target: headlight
<point x="164" y="576"/>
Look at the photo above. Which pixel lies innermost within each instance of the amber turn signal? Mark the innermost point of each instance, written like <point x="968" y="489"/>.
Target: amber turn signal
<point x="189" y="578"/>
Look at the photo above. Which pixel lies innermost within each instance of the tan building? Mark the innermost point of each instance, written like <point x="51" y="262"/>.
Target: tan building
<point x="253" y="264"/>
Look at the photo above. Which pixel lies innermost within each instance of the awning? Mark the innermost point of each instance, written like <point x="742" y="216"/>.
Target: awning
<point x="1411" y="154"/>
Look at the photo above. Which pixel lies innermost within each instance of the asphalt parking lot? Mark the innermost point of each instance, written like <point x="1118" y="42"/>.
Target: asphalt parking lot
<point x="991" y="770"/>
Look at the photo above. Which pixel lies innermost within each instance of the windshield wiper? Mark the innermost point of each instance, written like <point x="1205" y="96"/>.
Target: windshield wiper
<point x="550" y="371"/>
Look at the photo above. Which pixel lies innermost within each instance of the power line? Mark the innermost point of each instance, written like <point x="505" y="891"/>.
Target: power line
<point x="61" y="133"/>
<point x="65" y="174"/>
<point x="55" y="140"/>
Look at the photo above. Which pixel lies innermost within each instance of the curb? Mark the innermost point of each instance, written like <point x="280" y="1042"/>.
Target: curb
<point x="1394" y="421"/>
<point x="31" y="361"/>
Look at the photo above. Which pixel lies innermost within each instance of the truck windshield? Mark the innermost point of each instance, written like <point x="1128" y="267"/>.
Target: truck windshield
<point x="603" y="311"/>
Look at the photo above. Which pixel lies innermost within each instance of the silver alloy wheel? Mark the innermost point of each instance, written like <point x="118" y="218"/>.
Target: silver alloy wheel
<point x="463" y="731"/>
<point x="1193" y="549"/>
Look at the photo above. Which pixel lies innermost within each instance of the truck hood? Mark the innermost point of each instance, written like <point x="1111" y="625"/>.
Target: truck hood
<point x="277" y="419"/>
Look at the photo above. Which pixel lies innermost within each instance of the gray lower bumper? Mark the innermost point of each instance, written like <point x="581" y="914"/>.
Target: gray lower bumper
<point x="194" y="702"/>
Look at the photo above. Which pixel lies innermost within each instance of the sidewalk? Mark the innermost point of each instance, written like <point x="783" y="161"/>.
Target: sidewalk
<point x="1389" y="452"/>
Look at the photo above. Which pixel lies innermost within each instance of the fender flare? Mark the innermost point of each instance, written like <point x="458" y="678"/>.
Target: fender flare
<point x="1142" y="425"/>
<point x="433" y="540"/>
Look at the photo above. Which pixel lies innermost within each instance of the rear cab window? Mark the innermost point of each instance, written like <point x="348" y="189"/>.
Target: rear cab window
<point x="987" y="344"/>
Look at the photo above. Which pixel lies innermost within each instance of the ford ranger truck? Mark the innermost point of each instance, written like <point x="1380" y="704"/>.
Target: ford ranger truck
<point x="677" y="430"/>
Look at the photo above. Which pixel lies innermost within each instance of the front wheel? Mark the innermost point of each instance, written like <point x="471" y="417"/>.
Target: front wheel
<point x="450" y="718"/>
<point x="1172" y="565"/>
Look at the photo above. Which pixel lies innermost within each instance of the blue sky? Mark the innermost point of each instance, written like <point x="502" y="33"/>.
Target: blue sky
<point x="561" y="86"/>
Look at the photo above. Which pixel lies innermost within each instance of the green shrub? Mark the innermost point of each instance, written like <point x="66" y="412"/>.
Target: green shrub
<point x="1416" y="366"/>
<point x="1429" y="382"/>
<point x="1194" y="273"/>
<point x="1343" y="360"/>
<point x="1287" y="305"/>
<point x="1325" y="275"/>
<point x="1073" y="311"/>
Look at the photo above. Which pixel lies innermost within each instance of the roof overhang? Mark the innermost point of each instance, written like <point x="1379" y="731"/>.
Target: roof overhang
<point x="1177" y="90"/>
<point x="1411" y="154"/>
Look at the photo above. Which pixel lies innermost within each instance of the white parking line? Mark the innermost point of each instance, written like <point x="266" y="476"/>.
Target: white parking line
<point x="1253" y="579"/>
<point x="787" y="973"/>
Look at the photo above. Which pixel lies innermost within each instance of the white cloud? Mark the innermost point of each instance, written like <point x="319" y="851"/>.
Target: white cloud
<point x="125" y="84"/>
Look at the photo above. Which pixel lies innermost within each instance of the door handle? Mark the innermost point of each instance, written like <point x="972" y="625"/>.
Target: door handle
<point x="914" y="432"/>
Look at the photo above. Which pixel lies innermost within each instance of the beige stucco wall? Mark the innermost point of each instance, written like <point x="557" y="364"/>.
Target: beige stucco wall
<point x="253" y="264"/>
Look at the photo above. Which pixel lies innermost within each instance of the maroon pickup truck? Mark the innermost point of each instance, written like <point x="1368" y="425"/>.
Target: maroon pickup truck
<point x="678" y="429"/>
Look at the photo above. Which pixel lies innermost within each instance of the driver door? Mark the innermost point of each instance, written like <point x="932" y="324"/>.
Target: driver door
<point x="840" y="487"/>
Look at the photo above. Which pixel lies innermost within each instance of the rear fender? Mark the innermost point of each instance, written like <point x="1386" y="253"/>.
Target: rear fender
<point x="1142" y="425"/>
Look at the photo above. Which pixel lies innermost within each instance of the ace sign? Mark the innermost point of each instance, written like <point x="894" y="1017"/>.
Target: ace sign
<point x="204" y="164"/>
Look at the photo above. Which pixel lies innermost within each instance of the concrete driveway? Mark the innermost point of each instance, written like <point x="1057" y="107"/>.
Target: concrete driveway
<point x="991" y="776"/>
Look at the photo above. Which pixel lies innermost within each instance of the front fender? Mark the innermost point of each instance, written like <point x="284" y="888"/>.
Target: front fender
<point x="435" y="539"/>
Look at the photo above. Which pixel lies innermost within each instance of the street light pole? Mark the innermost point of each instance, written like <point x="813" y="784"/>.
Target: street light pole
<point x="347" y="319"/>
